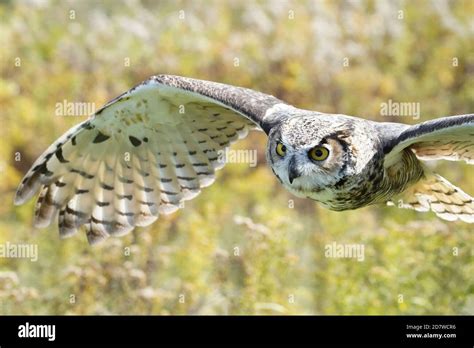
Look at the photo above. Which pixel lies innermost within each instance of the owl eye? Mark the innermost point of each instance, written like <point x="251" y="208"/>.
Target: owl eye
<point x="280" y="149"/>
<point x="318" y="153"/>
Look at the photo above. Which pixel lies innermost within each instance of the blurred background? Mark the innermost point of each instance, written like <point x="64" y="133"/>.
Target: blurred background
<point x="245" y="245"/>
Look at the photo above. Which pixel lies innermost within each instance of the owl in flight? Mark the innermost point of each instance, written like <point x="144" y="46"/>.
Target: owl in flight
<point x="157" y="145"/>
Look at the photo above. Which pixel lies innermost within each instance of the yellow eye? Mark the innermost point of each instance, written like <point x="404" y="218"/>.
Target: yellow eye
<point x="281" y="149"/>
<point x="318" y="153"/>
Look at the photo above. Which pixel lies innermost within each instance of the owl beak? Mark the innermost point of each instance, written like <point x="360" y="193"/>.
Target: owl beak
<point x="293" y="172"/>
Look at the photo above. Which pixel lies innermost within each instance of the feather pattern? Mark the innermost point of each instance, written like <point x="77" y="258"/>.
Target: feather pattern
<point x="140" y="156"/>
<point x="435" y="193"/>
<point x="448" y="138"/>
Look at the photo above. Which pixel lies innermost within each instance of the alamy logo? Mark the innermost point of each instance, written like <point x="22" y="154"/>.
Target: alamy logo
<point x="20" y="251"/>
<point x="37" y="331"/>
<point x="391" y="108"/>
<point x="238" y="156"/>
<point x="336" y="250"/>
<point x="67" y="108"/>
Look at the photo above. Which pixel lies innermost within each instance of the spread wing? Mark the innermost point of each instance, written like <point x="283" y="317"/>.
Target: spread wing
<point x="449" y="138"/>
<point x="141" y="155"/>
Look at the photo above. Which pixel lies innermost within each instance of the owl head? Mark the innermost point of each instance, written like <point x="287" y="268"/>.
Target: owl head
<point x="307" y="153"/>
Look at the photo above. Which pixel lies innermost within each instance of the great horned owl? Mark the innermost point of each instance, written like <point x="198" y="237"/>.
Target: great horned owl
<point x="173" y="127"/>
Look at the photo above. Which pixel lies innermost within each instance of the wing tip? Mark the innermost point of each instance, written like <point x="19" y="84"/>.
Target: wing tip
<point x="22" y="195"/>
<point x="28" y="187"/>
<point x="18" y="199"/>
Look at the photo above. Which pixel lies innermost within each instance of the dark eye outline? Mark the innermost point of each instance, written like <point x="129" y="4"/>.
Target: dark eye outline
<point x="280" y="150"/>
<point x="318" y="158"/>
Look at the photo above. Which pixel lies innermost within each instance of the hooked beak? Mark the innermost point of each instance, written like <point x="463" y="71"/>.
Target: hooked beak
<point x="293" y="172"/>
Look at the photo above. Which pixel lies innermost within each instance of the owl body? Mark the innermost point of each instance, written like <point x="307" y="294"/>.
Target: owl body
<point x="353" y="175"/>
<point x="157" y="145"/>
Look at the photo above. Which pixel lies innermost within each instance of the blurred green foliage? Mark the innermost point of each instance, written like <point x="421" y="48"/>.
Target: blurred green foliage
<point x="238" y="248"/>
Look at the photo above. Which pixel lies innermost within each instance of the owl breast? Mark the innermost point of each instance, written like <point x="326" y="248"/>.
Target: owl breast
<point x="352" y="195"/>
